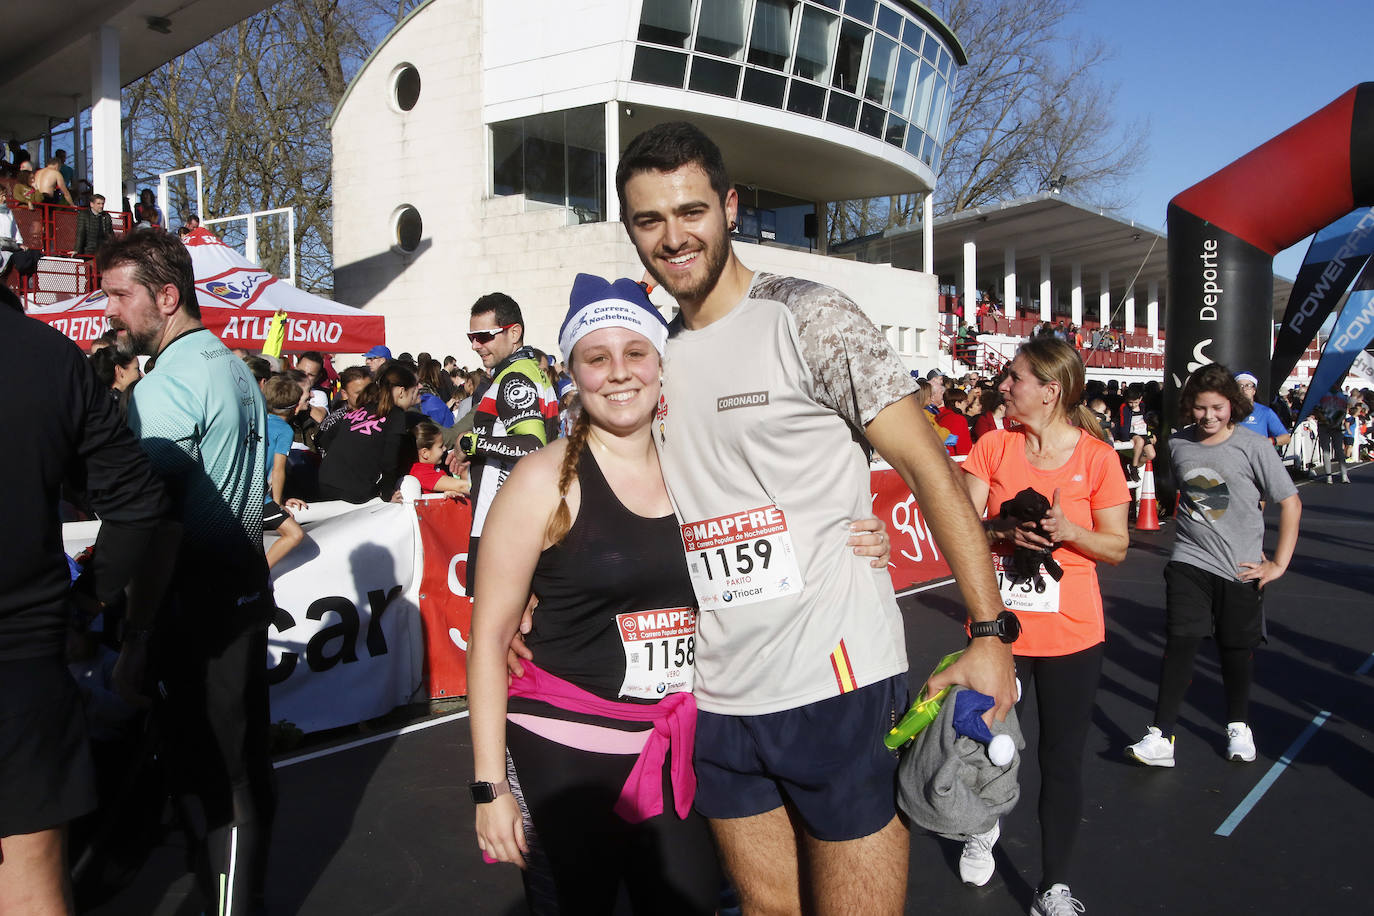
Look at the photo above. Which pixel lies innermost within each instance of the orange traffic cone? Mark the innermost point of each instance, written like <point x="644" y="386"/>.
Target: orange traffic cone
<point x="1147" y="515"/>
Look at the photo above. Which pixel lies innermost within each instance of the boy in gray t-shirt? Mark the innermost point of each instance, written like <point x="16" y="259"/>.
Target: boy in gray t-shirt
<point x="1217" y="573"/>
<point x="1220" y="523"/>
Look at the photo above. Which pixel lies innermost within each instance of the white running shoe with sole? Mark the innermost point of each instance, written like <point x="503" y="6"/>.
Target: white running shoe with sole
<point x="1240" y="742"/>
<point x="976" y="865"/>
<point x="1057" y="901"/>
<point x="1154" y="750"/>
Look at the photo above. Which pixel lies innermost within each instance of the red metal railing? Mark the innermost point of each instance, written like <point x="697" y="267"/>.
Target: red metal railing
<point x="50" y="229"/>
<point x="981" y="357"/>
<point x="975" y="354"/>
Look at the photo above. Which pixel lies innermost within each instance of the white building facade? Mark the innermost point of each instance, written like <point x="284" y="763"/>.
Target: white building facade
<point x="476" y="149"/>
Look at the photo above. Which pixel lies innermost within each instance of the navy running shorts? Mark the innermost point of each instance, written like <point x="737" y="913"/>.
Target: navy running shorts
<point x="1202" y="604"/>
<point x="826" y="759"/>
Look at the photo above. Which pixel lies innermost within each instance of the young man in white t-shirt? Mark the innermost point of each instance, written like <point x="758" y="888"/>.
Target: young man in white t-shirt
<point x="774" y="386"/>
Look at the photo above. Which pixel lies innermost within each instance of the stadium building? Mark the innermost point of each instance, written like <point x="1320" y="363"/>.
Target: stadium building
<point x="476" y="149"/>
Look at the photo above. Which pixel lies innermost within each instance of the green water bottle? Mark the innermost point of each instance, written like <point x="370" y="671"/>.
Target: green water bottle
<point x="922" y="712"/>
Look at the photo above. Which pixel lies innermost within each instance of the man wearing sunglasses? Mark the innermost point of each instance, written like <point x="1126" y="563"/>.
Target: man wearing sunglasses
<point x="516" y="415"/>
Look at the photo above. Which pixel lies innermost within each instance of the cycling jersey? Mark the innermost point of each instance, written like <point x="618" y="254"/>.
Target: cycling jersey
<point x="517" y="414"/>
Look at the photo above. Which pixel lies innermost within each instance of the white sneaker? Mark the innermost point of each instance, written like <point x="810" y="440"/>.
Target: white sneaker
<point x="1057" y="901"/>
<point x="976" y="865"/>
<point x="1240" y="742"/>
<point x="1155" y="750"/>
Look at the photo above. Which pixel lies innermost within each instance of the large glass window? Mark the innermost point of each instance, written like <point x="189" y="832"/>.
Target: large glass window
<point x="546" y="165"/>
<point x="770" y="43"/>
<point x="849" y="56"/>
<point x="936" y="107"/>
<point x="662" y="68"/>
<point x="585" y="143"/>
<point x="714" y="76"/>
<point x="842" y="110"/>
<point x="880" y="68"/>
<point x="558" y="158"/>
<point x="508" y="158"/>
<point x="806" y="99"/>
<point x="666" y="22"/>
<point x="763" y="88"/>
<point x="890" y="21"/>
<point x="815" y="44"/>
<point x="912" y="34"/>
<point x="871" y="121"/>
<point x="896" y="130"/>
<point x="903" y="84"/>
<point x="868" y="65"/>
<point x="720" y="28"/>
<point x="913" y="140"/>
<point x="860" y="9"/>
<point x="925" y="88"/>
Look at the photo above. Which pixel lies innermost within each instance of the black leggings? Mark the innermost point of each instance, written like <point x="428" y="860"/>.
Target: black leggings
<point x="1065" y="692"/>
<point x="667" y="865"/>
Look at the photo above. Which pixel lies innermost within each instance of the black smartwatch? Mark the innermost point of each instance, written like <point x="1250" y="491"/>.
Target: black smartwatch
<point x="486" y="792"/>
<point x="1006" y="627"/>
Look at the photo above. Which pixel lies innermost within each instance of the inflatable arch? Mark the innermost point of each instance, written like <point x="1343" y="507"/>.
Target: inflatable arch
<point x="1225" y="230"/>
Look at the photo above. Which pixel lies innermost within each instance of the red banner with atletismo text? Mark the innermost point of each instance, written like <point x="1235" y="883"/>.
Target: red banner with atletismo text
<point x="446" y="609"/>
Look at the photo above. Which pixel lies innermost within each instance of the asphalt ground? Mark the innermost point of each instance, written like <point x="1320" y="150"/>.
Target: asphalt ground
<point x="381" y="822"/>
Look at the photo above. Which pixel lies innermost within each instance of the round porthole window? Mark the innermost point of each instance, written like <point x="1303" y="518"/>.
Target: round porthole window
<point x="405" y="86"/>
<point x="406" y="229"/>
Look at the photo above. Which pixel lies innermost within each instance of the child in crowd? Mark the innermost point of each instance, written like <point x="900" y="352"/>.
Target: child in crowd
<point x="429" y="446"/>
<point x="1216" y="576"/>
<point x="1134" y="426"/>
<point x="283" y="396"/>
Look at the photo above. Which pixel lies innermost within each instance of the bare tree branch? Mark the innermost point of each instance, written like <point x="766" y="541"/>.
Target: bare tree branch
<point x="252" y="106"/>
<point x="1029" y="107"/>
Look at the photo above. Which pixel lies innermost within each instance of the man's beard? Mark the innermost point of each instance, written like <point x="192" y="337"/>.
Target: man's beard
<point x="715" y="258"/>
<point x="131" y="343"/>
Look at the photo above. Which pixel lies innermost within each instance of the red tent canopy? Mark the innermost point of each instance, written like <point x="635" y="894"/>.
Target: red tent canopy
<point x="237" y="301"/>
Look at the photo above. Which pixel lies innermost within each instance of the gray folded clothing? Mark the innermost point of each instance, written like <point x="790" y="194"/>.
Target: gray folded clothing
<point x="947" y="784"/>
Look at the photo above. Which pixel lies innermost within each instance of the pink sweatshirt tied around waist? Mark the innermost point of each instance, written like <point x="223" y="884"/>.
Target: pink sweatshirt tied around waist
<point x="674" y="721"/>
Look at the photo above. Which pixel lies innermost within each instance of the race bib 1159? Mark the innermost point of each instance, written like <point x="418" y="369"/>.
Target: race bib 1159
<point x="741" y="558"/>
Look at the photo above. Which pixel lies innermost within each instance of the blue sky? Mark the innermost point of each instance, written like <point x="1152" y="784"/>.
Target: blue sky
<point x="1217" y="78"/>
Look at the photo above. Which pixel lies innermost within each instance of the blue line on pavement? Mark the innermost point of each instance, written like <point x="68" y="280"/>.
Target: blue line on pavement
<point x="1230" y="824"/>
<point x="1368" y="663"/>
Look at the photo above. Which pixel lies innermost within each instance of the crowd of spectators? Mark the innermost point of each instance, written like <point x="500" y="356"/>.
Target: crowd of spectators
<point x="1130" y="414"/>
<point x="36" y="203"/>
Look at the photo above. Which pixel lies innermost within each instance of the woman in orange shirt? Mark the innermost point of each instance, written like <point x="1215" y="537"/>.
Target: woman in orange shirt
<point x="1056" y="451"/>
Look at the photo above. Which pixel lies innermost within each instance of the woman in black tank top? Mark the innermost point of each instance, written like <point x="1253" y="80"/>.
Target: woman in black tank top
<point x="587" y="526"/>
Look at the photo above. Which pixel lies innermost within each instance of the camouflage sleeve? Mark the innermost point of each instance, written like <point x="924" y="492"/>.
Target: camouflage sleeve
<point x="856" y="371"/>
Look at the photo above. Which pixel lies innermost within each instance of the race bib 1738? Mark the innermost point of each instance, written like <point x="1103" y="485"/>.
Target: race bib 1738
<point x="1038" y="595"/>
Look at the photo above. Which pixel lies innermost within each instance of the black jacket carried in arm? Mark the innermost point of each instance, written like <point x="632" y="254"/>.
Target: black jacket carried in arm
<point x="67" y="427"/>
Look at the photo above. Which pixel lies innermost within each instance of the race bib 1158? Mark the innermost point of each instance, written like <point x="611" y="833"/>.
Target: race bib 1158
<point x="660" y="651"/>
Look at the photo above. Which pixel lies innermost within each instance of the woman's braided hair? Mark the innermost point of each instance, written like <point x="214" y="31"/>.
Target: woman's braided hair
<point x="561" y="521"/>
